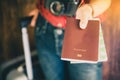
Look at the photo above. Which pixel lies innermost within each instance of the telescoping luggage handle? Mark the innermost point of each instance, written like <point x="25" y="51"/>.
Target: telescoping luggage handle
<point x="24" y="22"/>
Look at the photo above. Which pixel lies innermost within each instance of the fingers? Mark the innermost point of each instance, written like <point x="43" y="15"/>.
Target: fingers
<point x="84" y="13"/>
<point x="34" y="13"/>
<point x="83" y="20"/>
<point x="83" y="23"/>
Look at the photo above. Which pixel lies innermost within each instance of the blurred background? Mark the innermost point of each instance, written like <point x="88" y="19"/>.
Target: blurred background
<point x="11" y="43"/>
<point x="10" y="33"/>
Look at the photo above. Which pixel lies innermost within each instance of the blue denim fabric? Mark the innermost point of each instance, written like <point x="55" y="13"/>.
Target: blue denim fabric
<point x="49" y="44"/>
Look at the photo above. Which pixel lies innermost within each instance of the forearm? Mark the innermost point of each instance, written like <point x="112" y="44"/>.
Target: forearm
<point x="99" y="6"/>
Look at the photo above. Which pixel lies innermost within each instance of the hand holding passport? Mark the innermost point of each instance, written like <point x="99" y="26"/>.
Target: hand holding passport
<point x="83" y="45"/>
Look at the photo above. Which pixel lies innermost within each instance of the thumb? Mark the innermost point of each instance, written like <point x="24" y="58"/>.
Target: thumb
<point x="34" y="13"/>
<point x="83" y="23"/>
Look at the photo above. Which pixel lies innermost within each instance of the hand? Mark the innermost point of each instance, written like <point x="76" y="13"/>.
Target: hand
<point x="34" y="13"/>
<point x="84" y="13"/>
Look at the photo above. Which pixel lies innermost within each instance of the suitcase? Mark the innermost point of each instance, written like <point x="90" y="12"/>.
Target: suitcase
<point x="25" y="67"/>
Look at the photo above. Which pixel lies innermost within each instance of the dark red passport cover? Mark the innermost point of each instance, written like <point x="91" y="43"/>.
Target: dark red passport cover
<point x="80" y="44"/>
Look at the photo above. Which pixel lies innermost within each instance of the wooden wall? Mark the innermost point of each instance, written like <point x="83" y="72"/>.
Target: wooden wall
<point x="10" y="33"/>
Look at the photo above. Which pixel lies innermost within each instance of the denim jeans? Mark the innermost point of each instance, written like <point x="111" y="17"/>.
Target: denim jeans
<point x="49" y="44"/>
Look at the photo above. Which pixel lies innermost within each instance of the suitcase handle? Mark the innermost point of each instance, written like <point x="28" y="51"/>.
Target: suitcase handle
<point x="25" y="21"/>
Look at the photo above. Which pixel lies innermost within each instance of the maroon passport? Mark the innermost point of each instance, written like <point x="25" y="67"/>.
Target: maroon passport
<point x="80" y="44"/>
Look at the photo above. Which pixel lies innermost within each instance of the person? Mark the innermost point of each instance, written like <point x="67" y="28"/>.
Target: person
<point x="49" y="40"/>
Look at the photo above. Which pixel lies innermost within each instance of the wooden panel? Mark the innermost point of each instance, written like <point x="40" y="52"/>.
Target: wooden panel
<point x="10" y="39"/>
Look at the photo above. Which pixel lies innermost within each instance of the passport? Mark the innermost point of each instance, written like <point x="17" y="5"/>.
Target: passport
<point x="81" y="45"/>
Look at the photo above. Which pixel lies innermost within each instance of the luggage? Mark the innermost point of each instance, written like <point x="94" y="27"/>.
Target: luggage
<point x="25" y="67"/>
